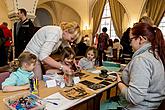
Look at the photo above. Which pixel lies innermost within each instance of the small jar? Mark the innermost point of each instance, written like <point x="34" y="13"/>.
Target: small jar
<point x="103" y="73"/>
<point x="68" y="79"/>
<point x="34" y="86"/>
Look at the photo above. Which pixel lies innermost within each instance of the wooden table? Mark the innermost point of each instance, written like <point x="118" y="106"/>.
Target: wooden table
<point x="92" y="102"/>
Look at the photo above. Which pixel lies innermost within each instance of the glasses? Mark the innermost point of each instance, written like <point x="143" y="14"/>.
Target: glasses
<point x="130" y="39"/>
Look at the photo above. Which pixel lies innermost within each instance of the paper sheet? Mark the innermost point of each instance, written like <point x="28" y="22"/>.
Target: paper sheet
<point x="63" y="103"/>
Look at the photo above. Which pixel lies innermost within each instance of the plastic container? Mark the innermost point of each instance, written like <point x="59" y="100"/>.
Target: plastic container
<point x="25" y="101"/>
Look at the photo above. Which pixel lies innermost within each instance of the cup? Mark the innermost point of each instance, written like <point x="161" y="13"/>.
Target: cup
<point x="103" y="73"/>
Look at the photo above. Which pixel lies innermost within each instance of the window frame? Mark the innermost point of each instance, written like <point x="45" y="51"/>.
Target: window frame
<point x="161" y="25"/>
<point x="110" y="27"/>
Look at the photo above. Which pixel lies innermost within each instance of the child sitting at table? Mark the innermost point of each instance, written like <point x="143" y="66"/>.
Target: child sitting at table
<point x="22" y="71"/>
<point x="68" y="58"/>
<point x="88" y="61"/>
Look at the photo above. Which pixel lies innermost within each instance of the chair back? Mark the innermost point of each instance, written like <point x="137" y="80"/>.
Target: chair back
<point x="3" y="76"/>
<point x="162" y="105"/>
<point x="114" y="55"/>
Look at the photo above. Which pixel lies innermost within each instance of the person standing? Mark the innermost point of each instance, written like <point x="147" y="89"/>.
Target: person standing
<point x="48" y="39"/>
<point x="2" y="48"/>
<point x="23" y="32"/>
<point x="8" y="38"/>
<point x="102" y="45"/>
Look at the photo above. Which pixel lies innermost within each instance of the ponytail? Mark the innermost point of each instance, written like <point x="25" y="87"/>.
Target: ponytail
<point x="158" y="44"/>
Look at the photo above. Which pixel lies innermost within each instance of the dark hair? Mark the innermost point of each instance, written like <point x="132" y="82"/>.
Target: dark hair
<point x="154" y="35"/>
<point x="104" y="29"/>
<point x="5" y="23"/>
<point x="116" y="40"/>
<point x="110" y="42"/>
<point x="26" y="57"/>
<point x="22" y="10"/>
<point x="94" y="51"/>
<point x="67" y="52"/>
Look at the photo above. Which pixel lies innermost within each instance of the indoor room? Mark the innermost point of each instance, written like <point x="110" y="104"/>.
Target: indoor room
<point x="82" y="54"/>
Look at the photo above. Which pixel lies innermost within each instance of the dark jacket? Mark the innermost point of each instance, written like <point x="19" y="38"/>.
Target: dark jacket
<point x="103" y="41"/>
<point x="23" y="32"/>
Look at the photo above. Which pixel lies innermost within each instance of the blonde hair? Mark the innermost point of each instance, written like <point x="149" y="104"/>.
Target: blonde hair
<point x="72" y="27"/>
<point x="146" y="19"/>
<point x="25" y="57"/>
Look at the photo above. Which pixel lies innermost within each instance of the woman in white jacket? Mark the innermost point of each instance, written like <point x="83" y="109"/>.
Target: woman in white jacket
<point x="48" y="39"/>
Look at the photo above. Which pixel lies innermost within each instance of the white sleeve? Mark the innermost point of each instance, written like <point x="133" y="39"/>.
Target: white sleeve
<point x="51" y="40"/>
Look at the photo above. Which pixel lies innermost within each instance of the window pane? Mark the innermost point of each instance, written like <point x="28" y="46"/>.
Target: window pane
<point x="162" y="26"/>
<point x="106" y="12"/>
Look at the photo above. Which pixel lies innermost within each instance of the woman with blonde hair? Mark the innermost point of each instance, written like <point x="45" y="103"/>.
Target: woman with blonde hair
<point x="48" y="39"/>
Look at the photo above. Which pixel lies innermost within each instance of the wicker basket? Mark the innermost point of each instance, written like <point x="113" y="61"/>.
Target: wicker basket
<point x="39" y="103"/>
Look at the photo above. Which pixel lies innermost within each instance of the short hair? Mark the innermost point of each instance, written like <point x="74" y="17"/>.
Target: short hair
<point x="5" y="23"/>
<point x="22" y="10"/>
<point x="104" y="29"/>
<point x="116" y="40"/>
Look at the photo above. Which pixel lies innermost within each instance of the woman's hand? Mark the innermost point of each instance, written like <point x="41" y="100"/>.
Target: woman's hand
<point x="118" y="77"/>
<point x="67" y="70"/>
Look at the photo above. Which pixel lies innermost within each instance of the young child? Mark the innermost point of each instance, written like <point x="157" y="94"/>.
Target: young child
<point x="22" y="71"/>
<point x="88" y="61"/>
<point x="68" y="57"/>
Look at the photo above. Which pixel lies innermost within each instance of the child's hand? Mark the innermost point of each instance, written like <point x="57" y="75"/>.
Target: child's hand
<point x="27" y="86"/>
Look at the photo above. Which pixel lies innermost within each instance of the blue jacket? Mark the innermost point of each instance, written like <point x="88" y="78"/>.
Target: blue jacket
<point x="18" y="78"/>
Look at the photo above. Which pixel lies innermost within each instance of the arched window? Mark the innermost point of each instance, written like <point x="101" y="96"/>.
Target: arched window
<point x="162" y="26"/>
<point x="106" y="21"/>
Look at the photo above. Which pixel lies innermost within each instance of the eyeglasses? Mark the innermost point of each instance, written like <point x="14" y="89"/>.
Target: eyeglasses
<point x="130" y="39"/>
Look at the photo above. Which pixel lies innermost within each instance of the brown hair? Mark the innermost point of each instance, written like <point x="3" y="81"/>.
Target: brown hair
<point x="154" y="35"/>
<point x="67" y="52"/>
<point x="94" y="51"/>
<point x="22" y="10"/>
<point x="24" y="57"/>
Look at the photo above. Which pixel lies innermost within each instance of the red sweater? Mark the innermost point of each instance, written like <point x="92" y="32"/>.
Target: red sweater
<point x="7" y="34"/>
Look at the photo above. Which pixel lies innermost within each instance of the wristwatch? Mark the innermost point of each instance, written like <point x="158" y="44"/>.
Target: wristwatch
<point x="61" y="68"/>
